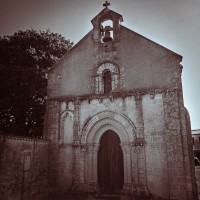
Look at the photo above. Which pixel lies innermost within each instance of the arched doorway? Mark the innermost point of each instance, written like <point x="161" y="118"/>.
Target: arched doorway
<point x="110" y="164"/>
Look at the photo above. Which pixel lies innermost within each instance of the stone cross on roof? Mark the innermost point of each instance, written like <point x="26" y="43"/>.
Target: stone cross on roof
<point x="106" y="4"/>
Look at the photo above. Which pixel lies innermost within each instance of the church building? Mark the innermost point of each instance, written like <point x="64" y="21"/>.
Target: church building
<point x="115" y="119"/>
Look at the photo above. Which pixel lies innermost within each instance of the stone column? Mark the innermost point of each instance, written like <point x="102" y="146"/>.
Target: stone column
<point x="83" y="149"/>
<point x="140" y="144"/>
<point x="77" y="183"/>
<point x="141" y="168"/>
<point x="134" y="168"/>
<point x="101" y="85"/>
<point x="95" y="166"/>
<point x="95" y="162"/>
<point x="97" y="84"/>
<point x="139" y="115"/>
<point x="113" y="81"/>
<point x="89" y="164"/>
<point x="90" y="180"/>
<point x="127" y="168"/>
<point x="91" y="184"/>
<point x="76" y="127"/>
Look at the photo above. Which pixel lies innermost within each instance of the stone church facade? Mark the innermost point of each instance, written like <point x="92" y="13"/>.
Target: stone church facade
<point x="116" y="118"/>
<point x="115" y="126"/>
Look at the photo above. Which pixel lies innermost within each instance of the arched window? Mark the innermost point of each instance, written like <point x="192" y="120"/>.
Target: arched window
<point x="107" y="80"/>
<point x="66" y="127"/>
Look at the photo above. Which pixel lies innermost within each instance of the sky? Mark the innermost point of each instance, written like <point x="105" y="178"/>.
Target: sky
<point x="174" y="24"/>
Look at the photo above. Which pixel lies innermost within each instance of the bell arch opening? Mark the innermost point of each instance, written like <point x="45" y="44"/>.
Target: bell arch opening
<point x="110" y="164"/>
<point x="106" y="31"/>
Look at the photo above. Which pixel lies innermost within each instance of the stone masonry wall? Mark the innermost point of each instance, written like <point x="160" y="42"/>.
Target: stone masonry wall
<point x="52" y="134"/>
<point x="180" y="174"/>
<point x="156" y="156"/>
<point x="23" y="168"/>
<point x="190" y="156"/>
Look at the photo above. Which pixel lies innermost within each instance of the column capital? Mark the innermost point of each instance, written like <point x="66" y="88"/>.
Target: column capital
<point x="139" y="142"/>
<point x="92" y="147"/>
<point x="77" y="101"/>
<point x="76" y="143"/>
<point x="96" y="146"/>
<point x="138" y="95"/>
<point x="83" y="148"/>
<point x="126" y="147"/>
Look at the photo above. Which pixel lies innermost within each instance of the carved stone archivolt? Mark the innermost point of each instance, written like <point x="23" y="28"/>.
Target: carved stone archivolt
<point x="97" y="125"/>
<point x="115" y="76"/>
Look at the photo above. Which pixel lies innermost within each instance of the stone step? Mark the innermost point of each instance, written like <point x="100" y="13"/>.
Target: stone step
<point x="101" y="197"/>
<point x="76" y="197"/>
<point x="110" y="197"/>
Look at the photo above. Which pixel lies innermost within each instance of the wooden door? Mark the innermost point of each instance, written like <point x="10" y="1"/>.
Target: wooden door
<point x="110" y="164"/>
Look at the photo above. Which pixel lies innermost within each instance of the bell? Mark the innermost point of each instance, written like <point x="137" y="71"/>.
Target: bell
<point x="107" y="37"/>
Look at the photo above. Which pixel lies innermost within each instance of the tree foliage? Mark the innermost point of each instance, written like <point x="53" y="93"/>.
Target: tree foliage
<point x="25" y="58"/>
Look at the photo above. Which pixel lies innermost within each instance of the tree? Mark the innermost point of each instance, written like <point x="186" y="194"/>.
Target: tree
<point x="25" y="58"/>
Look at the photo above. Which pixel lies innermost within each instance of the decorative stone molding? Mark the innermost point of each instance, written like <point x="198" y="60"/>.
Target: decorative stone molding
<point x="12" y="137"/>
<point x="120" y="94"/>
<point x="107" y="66"/>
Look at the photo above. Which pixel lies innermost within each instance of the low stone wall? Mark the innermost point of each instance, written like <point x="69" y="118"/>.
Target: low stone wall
<point x="23" y="168"/>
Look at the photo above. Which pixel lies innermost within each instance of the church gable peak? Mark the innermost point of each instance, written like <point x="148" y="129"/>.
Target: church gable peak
<point x="106" y="14"/>
<point x="106" y="25"/>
